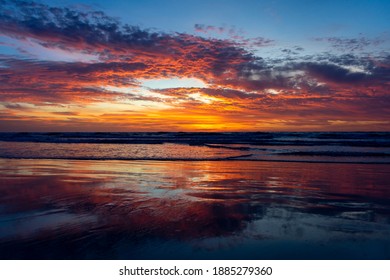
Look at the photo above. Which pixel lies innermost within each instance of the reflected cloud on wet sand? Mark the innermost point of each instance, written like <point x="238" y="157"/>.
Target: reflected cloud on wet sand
<point x="71" y="209"/>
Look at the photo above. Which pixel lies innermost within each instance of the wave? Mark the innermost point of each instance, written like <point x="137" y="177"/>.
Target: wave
<point x="336" y="154"/>
<point x="238" y="159"/>
<point x="362" y="147"/>
<point x="358" y="139"/>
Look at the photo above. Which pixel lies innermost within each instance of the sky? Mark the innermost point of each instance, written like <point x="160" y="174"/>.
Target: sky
<point x="210" y="65"/>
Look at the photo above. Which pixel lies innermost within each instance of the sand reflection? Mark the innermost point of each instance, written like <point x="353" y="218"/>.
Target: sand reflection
<point x="150" y="209"/>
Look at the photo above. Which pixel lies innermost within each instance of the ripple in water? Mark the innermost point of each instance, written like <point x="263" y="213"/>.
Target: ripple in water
<point x="69" y="209"/>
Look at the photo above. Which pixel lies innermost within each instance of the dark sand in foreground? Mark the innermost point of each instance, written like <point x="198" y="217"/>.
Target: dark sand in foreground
<point x="74" y="209"/>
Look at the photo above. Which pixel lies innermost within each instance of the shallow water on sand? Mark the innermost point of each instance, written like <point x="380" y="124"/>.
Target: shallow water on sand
<point x="347" y="147"/>
<point x="75" y="209"/>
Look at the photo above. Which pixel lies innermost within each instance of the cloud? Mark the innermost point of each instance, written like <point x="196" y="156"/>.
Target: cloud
<point x="236" y="36"/>
<point x="334" y="73"/>
<point x="351" y="44"/>
<point x="126" y="53"/>
<point x="13" y="106"/>
<point x="209" y="28"/>
<point x="65" y="113"/>
<point x="96" y="33"/>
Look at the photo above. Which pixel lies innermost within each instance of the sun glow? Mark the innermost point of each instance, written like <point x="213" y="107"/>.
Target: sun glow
<point x="136" y="91"/>
<point x="203" y="98"/>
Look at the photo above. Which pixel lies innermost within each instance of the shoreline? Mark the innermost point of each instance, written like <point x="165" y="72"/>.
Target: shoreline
<point x="196" y="160"/>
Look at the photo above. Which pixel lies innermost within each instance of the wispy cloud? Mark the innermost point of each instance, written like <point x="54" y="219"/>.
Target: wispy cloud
<point x="351" y="44"/>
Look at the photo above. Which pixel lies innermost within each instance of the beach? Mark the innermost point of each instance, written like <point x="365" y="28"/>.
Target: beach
<point x="183" y="209"/>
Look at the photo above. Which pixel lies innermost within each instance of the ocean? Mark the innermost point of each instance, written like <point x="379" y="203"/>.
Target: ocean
<point x="363" y="147"/>
<point x="167" y="195"/>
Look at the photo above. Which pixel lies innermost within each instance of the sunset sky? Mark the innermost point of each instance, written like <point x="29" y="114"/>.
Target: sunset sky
<point x="180" y="65"/>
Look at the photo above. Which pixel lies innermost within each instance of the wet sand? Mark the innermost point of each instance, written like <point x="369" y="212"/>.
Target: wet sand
<point x="75" y="209"/>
